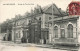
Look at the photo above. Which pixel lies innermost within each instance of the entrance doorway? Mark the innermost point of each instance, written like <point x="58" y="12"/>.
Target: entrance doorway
<point x="25" y="36"/>
<point x="44" y="41"/>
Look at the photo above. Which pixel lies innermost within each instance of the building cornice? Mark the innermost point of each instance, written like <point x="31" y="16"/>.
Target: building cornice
<point x="65" y="18"/>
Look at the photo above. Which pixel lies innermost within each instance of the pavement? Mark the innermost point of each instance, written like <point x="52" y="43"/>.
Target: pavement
<point x="25" y="44"/>
<point x="10" y="43"/>
<point x="20" y="48"/>
<point x="11" y="46"/>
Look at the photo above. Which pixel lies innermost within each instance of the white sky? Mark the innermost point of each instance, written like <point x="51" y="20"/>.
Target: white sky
<point x="9" y="11"/>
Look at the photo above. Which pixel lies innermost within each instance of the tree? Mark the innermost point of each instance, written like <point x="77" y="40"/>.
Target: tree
<point x="7" y="25"/>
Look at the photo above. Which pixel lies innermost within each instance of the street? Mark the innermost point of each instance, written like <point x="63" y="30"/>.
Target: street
<point x="19" y="48"/>
<point x="10" y="46"/>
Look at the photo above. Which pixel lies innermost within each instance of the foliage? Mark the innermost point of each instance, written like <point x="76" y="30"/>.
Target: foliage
<point x="6" y="26"/>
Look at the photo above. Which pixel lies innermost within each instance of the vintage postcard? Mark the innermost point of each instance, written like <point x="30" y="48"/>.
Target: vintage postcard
<point x="39" y="25"/>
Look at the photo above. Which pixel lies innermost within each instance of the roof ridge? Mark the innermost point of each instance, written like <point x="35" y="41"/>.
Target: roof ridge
<point x="58" y="10"/>
<point x="46" y="7"/>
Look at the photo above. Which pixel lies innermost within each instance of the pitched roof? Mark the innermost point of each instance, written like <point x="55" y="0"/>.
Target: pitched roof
<point x="56" y="11"/>
<point x="46" y="9"/>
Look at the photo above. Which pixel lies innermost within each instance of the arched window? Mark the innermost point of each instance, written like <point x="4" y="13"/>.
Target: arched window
<point x="70" y="31"/>
<point x="56" y="31"/>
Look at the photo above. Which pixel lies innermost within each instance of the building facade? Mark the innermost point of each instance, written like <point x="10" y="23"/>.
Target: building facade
<point x="66" y="30"/>
<point x="20" y="25"/>
<point x="37" y="27"/>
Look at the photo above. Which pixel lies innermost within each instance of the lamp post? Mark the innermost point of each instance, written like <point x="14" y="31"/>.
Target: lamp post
<point x="52" y="23"/>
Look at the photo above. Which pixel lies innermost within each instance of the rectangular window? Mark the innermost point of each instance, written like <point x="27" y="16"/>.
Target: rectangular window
<point x="62" y="33"/>
<point x="56" y="31"/>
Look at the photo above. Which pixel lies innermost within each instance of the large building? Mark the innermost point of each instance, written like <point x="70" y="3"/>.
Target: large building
<point x="46" y="25"/>
<point x="36" y="27"/>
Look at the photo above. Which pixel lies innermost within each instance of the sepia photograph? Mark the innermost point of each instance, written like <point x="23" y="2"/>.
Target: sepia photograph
<point x="39" y="25"/>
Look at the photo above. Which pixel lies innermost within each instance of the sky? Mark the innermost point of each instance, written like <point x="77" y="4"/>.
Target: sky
<point x="8" y="11"/>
